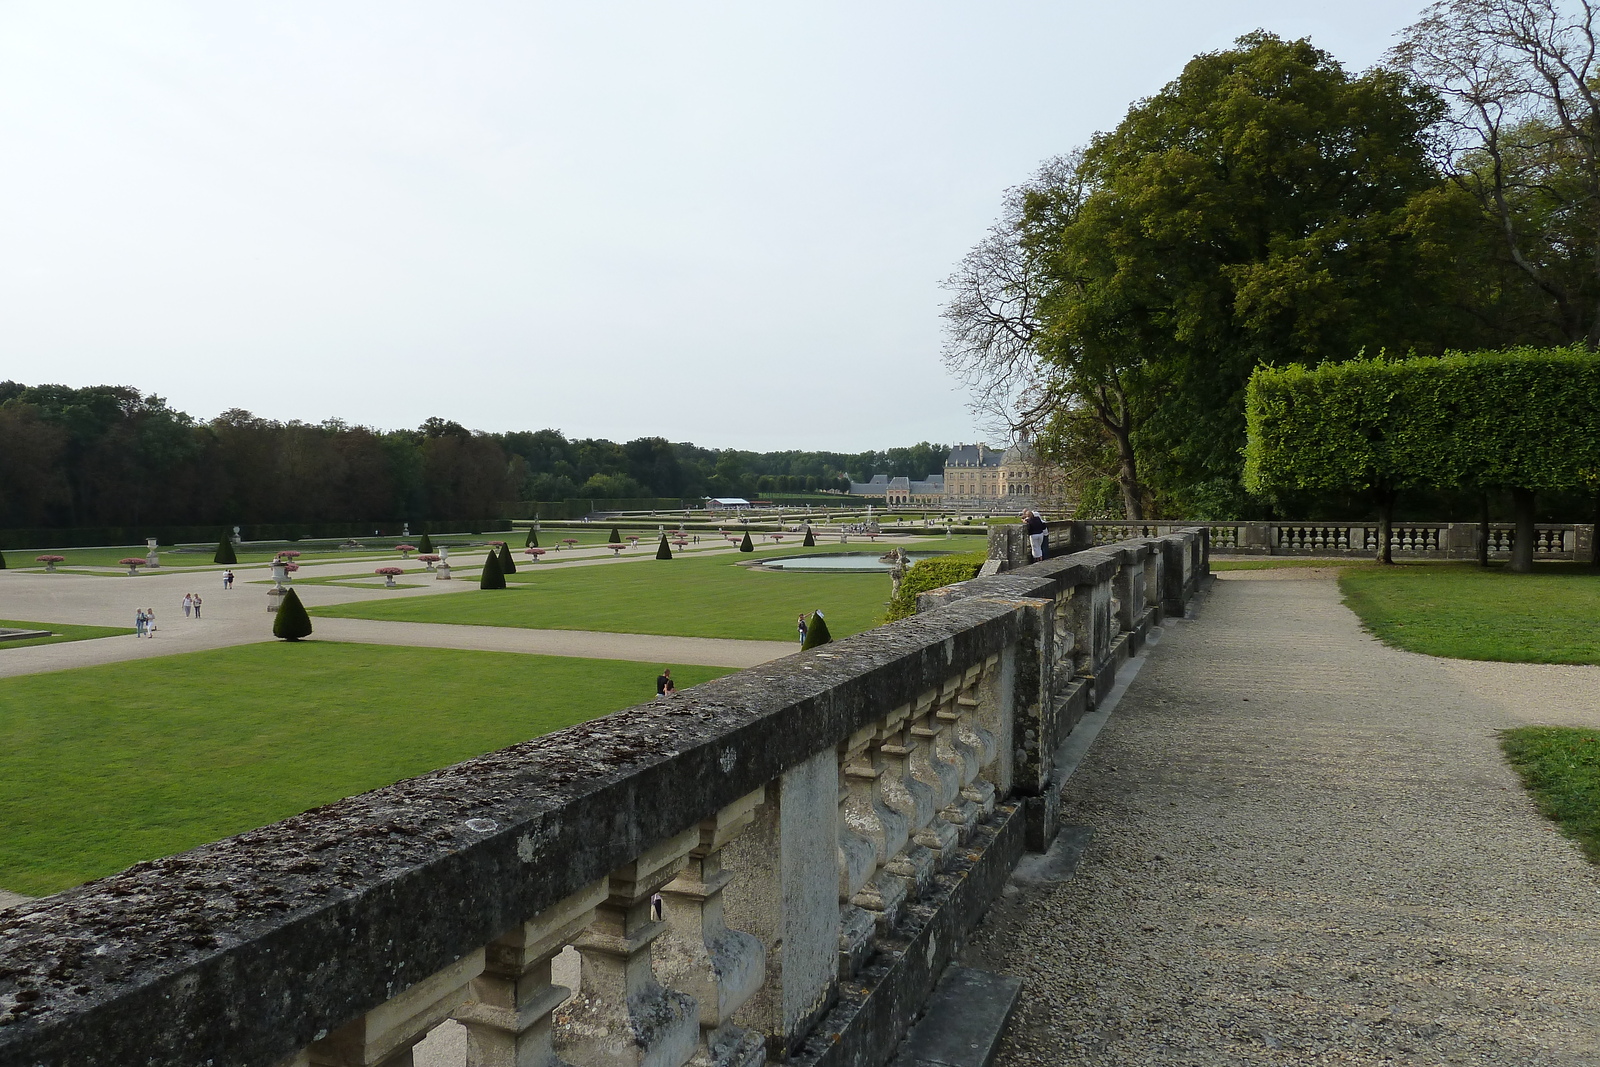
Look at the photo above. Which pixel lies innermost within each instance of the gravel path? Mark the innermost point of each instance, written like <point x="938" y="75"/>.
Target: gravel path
<point x="1306" y="850"/>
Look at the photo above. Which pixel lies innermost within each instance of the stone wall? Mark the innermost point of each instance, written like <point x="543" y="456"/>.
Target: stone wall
<point x="822" y="832"/>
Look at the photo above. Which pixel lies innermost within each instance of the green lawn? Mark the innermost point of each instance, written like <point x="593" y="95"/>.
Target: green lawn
<point x="1460" y="611"/>
<point x="62" y="632"/>
<point x="705" y="596"/>
<point x="1560" y="766"/>
<point x="103" y="766"/>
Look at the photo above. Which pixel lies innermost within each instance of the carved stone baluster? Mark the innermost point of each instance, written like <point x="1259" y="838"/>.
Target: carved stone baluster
<point x="719" y="967"/>
<point x="933" y="761"/>
<point x="509" y="1019"/>
<point x="622" y="1016"/>
<point x="913" y="865"/>
<point x="868" y="815"/>
<point x="384" y="1036"/>
<point x="979" y="743"/>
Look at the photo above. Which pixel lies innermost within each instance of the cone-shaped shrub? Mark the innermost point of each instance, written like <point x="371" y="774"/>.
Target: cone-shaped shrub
<point x="615" y="538"/>
<point x="2" y="561"/>
<point x="507" y="564"/>
<point x="533" y="539"/>
<point x="225" y="554"/>
<point x="292" y="622"/>
<point x="745" y="545"/>
<point x="662" y="551"/>
<point x="493" y="576"/>
<point x="810" y="541"/>
<point x="816" y="631"/>
<point x="425" y="545"/>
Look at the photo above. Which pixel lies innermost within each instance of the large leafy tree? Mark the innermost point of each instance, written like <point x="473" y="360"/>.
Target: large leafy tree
<point x="1266" y="207"/>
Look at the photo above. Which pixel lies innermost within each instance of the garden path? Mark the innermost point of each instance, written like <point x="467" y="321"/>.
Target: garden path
<point x="1307" y="848"/>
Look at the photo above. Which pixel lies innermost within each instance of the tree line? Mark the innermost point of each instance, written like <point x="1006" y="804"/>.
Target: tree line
<point x="114" y="456"/>
<point x="1270" y="207"/>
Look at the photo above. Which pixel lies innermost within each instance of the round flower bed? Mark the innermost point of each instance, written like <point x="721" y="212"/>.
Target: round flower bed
<point x="534" y="552"/>
<point x="405" y="550"/>
<point x="429" y="559"/>
<point x="133" y="563"/>
<point x="50" y="562"/>
<point x="388" y="575"/>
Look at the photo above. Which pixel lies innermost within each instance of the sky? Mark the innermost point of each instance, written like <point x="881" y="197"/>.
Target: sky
<point x="725" y="223"/>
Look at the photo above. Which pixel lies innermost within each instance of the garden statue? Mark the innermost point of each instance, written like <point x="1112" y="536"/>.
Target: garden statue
<point x="151" y="557"/>
<point x="898" y="561"/>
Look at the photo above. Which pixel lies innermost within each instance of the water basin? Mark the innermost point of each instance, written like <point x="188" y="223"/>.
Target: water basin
<point x="842" y="561"/>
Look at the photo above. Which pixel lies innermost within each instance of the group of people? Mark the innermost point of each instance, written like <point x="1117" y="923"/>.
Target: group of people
<point x="191" y="603"/>
<point x="144" y="622"/>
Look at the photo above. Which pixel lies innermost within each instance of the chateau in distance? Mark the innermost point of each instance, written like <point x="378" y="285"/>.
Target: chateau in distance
<point x="975" y="476"/>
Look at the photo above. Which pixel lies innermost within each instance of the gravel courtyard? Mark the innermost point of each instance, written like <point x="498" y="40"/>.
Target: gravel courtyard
<point x="1307" y="850"/>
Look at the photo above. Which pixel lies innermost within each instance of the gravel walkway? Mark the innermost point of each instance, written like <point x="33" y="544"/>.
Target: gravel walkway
<point x="1306" y="850"/>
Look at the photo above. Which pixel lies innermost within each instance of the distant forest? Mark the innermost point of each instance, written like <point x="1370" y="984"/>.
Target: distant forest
<point x="113" y="456"/>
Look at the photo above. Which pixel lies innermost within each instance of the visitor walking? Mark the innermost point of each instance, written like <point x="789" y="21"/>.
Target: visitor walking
<point x="1033" y="522"/>
<point x="227" y="579"/>
<point x="149" y="622"/>
<point x="139" y="622"/>
<point x="802" y="627"/>
<point x="664" y="686"/>
<point x="188" y="604"/>
<point x="197" y="605"/>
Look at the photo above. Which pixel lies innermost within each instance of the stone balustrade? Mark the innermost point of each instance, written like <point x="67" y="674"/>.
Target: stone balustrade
<point x="1426" y="540"/>
<point x="771" y="867"/>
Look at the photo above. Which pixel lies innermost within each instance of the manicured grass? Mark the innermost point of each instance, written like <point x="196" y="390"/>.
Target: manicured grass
<point x="1460" y="611"/>
<point x="62" y="631"/>
<point x="103" y="766"/>
<point x="706" y="596"/>
<point x="1560" y="766"/>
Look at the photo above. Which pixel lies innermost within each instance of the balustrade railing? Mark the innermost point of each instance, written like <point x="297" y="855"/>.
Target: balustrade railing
<point x="771" y="867"/>
<point x="1552" y="541"/>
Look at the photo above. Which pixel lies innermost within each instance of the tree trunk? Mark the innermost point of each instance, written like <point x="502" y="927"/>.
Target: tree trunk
<point x="1483" y="530"/>
<point x="1386" y="498"/>
<point x="1522" y="540"/>
<point x="1128" y="476"/>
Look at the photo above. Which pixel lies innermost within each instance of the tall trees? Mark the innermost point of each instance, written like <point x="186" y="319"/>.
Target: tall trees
<point x="1520" y="136"/>
<point x="1265" y="207"/>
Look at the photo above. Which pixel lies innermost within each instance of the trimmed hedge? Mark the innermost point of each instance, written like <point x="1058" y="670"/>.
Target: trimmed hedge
<point x="292" y="621"/>
<point x="225" y="554"/>
<point x="662" y="550"/>
<point x="816" y="632"/>
<point x="507" y="564"/>
<point x="746" y="545"/>
<point x="100" y="536"/>
<point x="1526" y="419"/>
<point x="933" y="573"/>
<point x="810" y="541"/>
<point x="493" y="577"/>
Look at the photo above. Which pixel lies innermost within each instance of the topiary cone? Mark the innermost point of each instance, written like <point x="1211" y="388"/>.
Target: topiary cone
<point x="425" y="545"/>
<point x="292" y="622"/>
<point x="533" y="539"/>
<point x="507" y="564"/>
<point x="745" y="545"/>
<point x="662" y="551"/>
<point x="2" y="561"/>
<point x="810" y="541"/>
<point x="493" y="576"/>
<point x="615" y="538"/>
<point x="816" y="631"/>
<point x="225" y="554"/>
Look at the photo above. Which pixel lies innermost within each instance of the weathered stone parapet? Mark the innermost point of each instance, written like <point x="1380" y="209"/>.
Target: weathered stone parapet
<point x="821" y="831"/>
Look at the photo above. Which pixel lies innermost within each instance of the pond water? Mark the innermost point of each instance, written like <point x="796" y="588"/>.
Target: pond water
<point x="842" y="561"/>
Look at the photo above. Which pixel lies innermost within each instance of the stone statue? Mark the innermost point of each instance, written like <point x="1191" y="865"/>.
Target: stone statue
<point x="898" y="561"/>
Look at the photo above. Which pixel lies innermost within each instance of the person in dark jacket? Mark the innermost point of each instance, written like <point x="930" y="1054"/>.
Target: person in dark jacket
<point x="1033" y="522"/>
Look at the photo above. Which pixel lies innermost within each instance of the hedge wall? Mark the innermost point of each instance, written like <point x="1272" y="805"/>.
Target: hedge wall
<point x="1526" y="419"/>
<point x="96" y="536"/>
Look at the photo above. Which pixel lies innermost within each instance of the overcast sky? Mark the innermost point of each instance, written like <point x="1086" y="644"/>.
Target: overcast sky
<point x="717" y="222"/>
